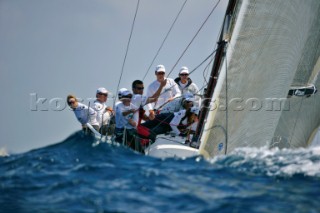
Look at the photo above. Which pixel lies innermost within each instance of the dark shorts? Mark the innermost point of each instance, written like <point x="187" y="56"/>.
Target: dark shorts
<point x="159" y="125"/>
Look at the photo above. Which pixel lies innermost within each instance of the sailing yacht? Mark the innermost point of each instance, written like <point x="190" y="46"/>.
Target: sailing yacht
<point x="264" y="80"/>
<point x="263" y="83"/>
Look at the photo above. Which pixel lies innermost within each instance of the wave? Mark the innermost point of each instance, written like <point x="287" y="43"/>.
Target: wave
<point x="275" y="162"/>
<point x="79" y="175"/>
<point x="79" y="152"/>
<point x="74" y="150"/>
<point x="78" y="148"/>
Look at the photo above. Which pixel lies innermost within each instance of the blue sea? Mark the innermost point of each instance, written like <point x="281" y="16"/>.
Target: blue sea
<point x="78" y="176"/>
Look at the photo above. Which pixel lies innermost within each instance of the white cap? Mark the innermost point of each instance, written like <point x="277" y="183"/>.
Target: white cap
<point x="189" y="99"/>
<point x="195" y="110"/>
<point x="102" y="90"/>
<point x="160" y="68"/>
<point x="124" y="92"/>
<point x="184" y="70"/>
<point x="121" y="91"/>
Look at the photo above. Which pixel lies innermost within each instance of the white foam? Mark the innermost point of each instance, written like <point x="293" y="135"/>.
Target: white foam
<point x="274" y="162"/>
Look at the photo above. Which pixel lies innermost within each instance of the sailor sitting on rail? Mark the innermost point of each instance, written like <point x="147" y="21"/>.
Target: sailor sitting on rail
<point x="178" y="122"/>
<point x="186" y="85"/>
<point x="184" y="102"/>
<point x="141" y="101"/>
<point x="169" y="91"/>
<point x="104" y="113"/>
<point x="125" y="120"/>
<point x="83" y="113"/>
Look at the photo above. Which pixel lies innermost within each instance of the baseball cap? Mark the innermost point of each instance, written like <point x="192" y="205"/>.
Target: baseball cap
<point x="124" y="93"/>
<point x="121" y="91"/>
<point x="184" y="70"/>
<point x="160" y="68"/>
<point x="102" y="90"/>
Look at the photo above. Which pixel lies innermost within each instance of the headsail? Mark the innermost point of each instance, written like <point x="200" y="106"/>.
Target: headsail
<point x="274" y="45"/>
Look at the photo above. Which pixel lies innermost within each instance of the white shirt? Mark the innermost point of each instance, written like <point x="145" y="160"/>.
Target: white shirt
<point x="176" y="121"/>
<point x="193" y="89"/>
<point x="122" y="121"/>
<point x="139" y="100"/>
<point x="103" y="116"/>
<point x="173" y="106"/>
<point x="182" y="85"/>
<point x="84" y="114"/>
<point x="170" y="90"/>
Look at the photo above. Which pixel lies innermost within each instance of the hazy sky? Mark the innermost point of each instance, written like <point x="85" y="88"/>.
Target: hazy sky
<point x="50" y="48"/>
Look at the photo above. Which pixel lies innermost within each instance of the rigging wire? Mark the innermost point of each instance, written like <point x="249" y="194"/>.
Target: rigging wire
<point x="205" y="73"/>
<point x="128" y="44"/>
<point x="164" y="39"/>
<point x="211" y="54"/>
<point x="207" y="66"/>
<point x="215" y="6"/>
<point x="196" y="68"/>
<point x="227" y="108"/>
<point x="206" y="69"/>
<point x="213" y="9"/>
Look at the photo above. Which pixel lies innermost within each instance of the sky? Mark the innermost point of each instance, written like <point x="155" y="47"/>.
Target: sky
<point x="52" y="48"/>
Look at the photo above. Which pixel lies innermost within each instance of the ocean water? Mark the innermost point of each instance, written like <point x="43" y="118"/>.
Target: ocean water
<point x="76" y="176"/>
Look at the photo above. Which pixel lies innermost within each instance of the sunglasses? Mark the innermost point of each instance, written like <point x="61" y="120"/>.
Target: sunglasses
<point x="160" y="73"/>
<point x="71" y="102"/>
<point x="103" y="94"/>
<point x="184" y="74"/>
<point x="139" y="88"/>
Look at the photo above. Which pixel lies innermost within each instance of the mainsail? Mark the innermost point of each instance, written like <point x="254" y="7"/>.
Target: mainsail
<point x="272" y="46"/>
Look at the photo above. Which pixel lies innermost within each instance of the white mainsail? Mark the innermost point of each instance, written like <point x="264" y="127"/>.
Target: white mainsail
<point x="274" y="45"/>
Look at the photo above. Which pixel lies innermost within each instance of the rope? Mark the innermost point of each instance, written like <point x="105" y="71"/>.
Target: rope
<point x="161" y="121"/>
<point x="213" y="9"/>
<point x="165" y="39"/>
<point x="173" y="124"/>
<point x="205" y="73"/>
<point x="175" y="141"/>
<point x="215" y="6"/>
<point x="227" y="113"/>
<point x="128" y="44"/>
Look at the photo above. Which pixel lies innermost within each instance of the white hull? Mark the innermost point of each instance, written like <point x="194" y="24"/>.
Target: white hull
<point x="167" y="146"/>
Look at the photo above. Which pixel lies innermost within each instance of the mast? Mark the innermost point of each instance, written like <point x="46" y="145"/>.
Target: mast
<point x="218" y="60"/>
